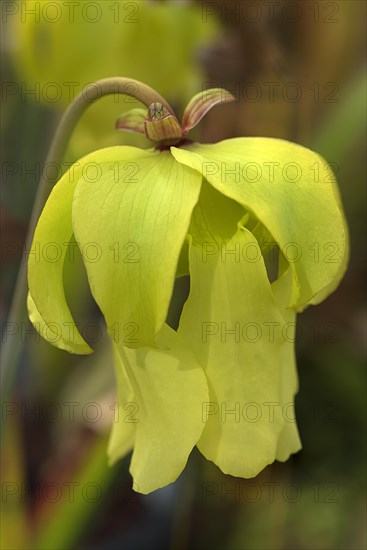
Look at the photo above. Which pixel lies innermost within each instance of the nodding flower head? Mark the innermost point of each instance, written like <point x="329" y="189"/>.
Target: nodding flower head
<point x="221" y="214"/>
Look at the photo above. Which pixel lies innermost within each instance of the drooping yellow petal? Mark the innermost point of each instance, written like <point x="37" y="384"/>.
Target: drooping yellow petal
<point x="183" y="261"/>
<point x="49" y="248"/>
<point x="233" y="324"/>
<point x="169" y="389"/>
<point x="125" y="414"/>
<point x="138" y="220"/>
<point x="52" y="333"/>
<point x="291" y="190"/>
<point x="289" y="441"/>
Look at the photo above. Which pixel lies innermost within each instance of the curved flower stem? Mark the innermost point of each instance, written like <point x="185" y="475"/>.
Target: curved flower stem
<point x="116" y="85"/>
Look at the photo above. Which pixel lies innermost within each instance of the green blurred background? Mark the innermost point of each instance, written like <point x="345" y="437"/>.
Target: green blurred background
<point x="297" y="71"/>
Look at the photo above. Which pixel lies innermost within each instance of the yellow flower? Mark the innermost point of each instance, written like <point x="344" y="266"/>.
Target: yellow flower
<point x="225" y="380"/>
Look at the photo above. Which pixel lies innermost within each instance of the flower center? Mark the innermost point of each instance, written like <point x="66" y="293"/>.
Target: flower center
<point x="161" y="125"/>
<point x="166" y="144"/>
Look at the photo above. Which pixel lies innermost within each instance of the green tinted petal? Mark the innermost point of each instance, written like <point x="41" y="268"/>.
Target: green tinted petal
<point x="50" y="244"/>
<point x="51" y="332"/>
<point x="137" y="215"/>
<point x="34" y="315"/>
<point x="183" y="261"/>
<point x="124" y="422"/>
<point x="169" y="389"/>
<point x="331" y="249"/>
<point x="290" y="189"/>
<point x="289" y="441"/>
<point x="233" y="324"/>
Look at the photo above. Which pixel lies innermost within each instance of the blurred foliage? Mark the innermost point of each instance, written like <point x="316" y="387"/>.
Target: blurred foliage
<point x="54" y="54"/>
<point x="149" y="41"/>
<point x="177" y="50"/>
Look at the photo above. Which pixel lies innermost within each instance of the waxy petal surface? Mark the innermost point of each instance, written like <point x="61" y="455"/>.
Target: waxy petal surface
<point x="291" y="190"/>
<point x="49" y="248"/>
<point x="233" y="324"/>
<point x="138" y="214"/>
<point x="169" y="389"/>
